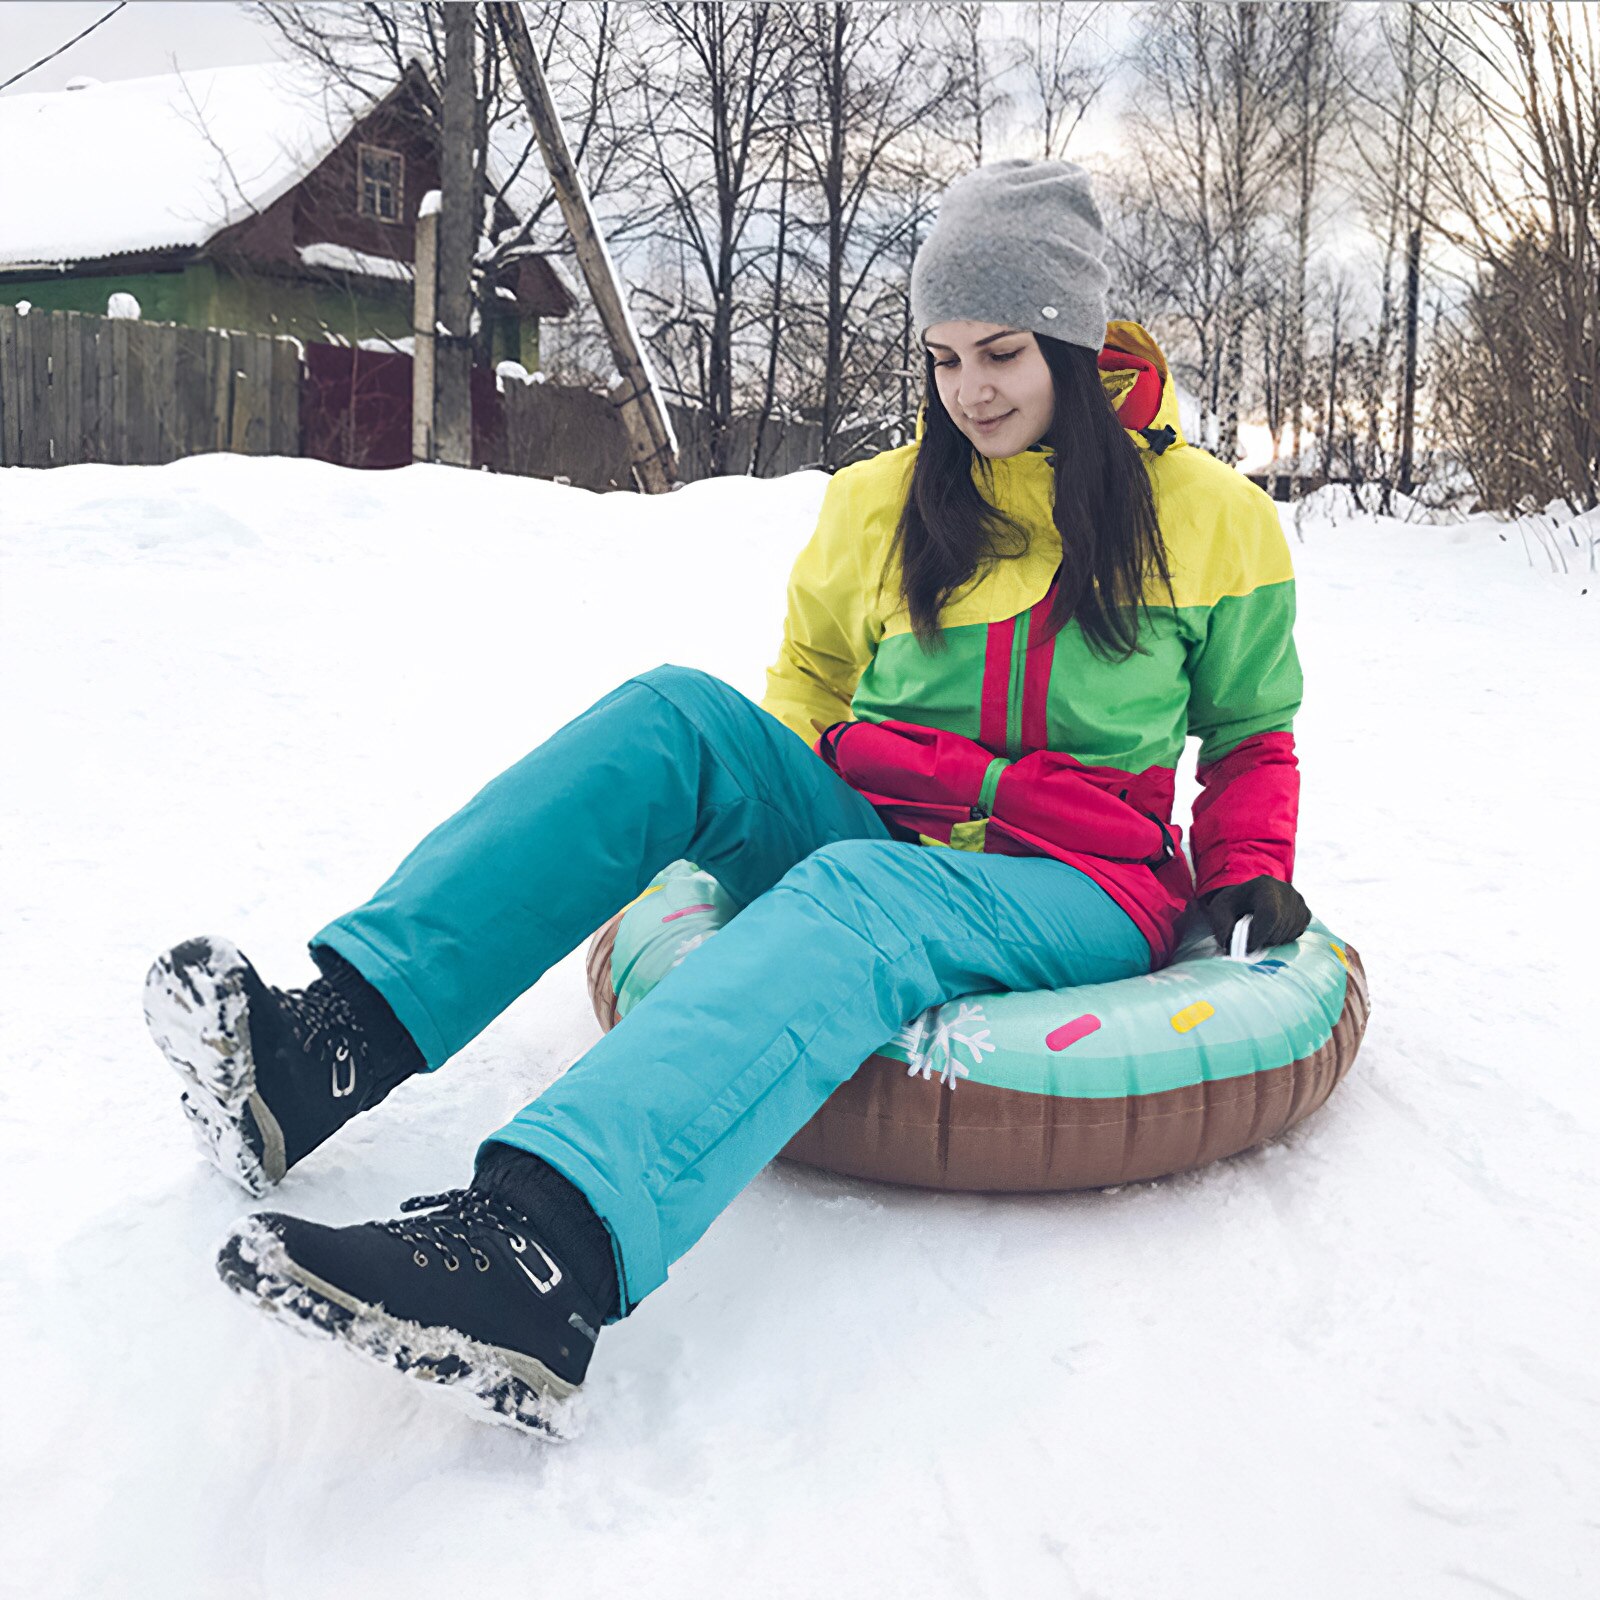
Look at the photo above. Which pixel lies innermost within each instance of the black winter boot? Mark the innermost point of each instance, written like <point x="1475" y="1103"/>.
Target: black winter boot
<point x="467" y="1295"/>
<point x="271" y="1073"/>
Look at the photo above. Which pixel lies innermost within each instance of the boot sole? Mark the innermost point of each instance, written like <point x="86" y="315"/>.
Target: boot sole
<point x="512" y="1388"/>
<point x="197" y="1010"/>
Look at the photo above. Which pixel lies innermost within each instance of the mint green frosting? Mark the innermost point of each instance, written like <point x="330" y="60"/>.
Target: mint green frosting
<point x="1202" y="1018"/>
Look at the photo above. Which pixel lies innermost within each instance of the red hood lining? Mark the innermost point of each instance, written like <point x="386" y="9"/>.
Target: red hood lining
<point x="1143" y="400"/>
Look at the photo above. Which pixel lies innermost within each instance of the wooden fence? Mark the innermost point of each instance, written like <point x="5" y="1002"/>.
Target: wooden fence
<point x="81" y="388"/>
<point x="552" y="430"/>
<point x="75" y="387"/>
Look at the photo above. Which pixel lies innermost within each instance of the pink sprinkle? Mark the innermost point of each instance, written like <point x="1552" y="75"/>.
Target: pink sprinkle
<point x="1072" y="1032"/>
<point x="672" y="916"/>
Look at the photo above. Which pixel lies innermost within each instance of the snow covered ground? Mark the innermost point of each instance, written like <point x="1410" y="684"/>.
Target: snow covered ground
<point x="1359" y="1362"/>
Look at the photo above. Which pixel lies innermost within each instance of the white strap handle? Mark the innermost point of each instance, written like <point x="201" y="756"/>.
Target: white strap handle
<point x="1238" y="948"/>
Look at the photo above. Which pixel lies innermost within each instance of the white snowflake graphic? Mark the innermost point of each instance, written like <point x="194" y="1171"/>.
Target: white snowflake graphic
<point x="693" y="942"/>
<point x="930" y="1044"/>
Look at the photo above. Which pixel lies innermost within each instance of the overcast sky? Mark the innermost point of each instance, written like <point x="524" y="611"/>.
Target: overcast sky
<point x="141" y="39"/>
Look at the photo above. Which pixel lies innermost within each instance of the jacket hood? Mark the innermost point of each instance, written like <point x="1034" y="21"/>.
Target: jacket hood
<point x="1137" y="381"/>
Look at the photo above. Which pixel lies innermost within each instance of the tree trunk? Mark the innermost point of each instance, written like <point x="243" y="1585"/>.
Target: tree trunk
<point x="1408" y="390"/>
<point x="458" y="234"/>
<point x="1333" y="394"/>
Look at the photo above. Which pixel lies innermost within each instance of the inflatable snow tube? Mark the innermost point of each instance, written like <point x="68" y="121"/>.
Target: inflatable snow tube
<point x="1078" y="1088"/>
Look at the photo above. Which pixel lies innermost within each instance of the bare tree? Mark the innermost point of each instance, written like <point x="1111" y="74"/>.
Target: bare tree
<point x="1174" y="129"/>
<point x="712" y="114"/>
<point x="867" y="86"/>
<point x="1315" y="102"/>
<point x="1067" y="65"/>
<point x="1397" y="92"/>
<point x="1519" y="177"/>
<point x="1242" y="72"/>
<point x="1338" y="296"/>
<point x="977" y="105"/>
<point x="1274" y="306"/>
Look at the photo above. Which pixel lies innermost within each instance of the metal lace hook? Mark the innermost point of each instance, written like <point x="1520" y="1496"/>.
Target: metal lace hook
<point x="348" y="1087"/>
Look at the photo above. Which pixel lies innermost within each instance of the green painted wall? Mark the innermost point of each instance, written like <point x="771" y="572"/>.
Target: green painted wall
<point x="203" y="296"/>
<point x="312" y="312"/>
<point x="162" y="296"/>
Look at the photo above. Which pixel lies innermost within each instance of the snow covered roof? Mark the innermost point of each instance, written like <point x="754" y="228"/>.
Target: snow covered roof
<point x="158" y="163"/>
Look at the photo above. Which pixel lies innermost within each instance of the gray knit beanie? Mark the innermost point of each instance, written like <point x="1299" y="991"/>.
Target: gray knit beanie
<point x="1018" y="242"/>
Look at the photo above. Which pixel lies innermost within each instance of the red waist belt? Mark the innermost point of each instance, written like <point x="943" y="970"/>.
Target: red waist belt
<point x="929" y="782"/>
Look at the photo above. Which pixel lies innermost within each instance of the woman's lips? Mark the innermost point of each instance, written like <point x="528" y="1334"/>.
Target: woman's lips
<point x="992" y="423"/>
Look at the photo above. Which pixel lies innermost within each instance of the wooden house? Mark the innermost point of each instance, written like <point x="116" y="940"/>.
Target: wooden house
<point x="244" y="198"/>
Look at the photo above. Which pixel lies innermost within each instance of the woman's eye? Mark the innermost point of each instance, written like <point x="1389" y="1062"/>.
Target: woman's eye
<point x="1010" y="355"/>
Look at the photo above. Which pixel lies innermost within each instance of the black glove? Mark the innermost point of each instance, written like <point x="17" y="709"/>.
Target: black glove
<point x="1278" y="914"/>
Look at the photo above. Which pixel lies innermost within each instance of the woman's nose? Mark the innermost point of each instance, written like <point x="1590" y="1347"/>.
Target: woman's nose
<point x="972" y="391"/>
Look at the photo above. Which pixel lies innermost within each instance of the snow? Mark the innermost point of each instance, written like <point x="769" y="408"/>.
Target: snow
<point x="514" y="372"/>
<point x="159" y="161"/>
<point x="1357" y="1362"/>
<point x="343" y="258"/>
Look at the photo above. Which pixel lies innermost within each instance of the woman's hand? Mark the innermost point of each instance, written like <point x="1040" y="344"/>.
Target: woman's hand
<point x="1278" y="914"/>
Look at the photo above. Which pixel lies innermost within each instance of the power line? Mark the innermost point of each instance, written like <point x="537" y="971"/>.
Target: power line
<point x="67" y="46"/>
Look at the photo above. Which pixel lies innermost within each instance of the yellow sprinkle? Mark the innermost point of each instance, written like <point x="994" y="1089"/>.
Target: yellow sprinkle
<point x="1193" y="1016"/>
<point x="1340" y="953"/>
<point x="640" y="896"/>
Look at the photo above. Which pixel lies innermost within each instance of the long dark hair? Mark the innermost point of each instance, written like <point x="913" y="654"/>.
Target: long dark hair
<point x="1104" y="509"/>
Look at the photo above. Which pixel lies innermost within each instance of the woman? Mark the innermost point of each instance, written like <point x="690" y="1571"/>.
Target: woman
<point x="959" y="780"/>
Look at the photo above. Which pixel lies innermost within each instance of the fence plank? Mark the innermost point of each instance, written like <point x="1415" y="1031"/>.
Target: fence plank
<point x="60" y="426"/>
<point x="69" y="376"/>
<point x="219" y="376"/>
<point x="90" y="437"/>
<point x="261" y="375"/>
<point x="157" y="367"/>
<point x="133" y="384"/>
<point x="39" y="386"/>
<point x="121" y="386"/>
<point x="238" y="391"/>
<point x="10" y="430"/>
<point x="34" y="427"/>
<point x="285" y="426"/>
<point x="244" y="391"/>
<point x="191" y="396"/>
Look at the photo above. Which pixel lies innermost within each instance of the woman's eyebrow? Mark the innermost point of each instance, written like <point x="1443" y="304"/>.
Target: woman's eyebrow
<point x="932" y="344"/>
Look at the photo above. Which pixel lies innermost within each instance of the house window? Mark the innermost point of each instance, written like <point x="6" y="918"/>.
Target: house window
<point x="380" y="183"/>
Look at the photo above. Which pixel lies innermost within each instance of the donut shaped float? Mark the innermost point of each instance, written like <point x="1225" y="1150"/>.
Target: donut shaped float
<point x="1078" y="1088"/>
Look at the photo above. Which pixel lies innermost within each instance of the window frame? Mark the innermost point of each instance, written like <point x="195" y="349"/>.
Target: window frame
<point x="398" y="185"/>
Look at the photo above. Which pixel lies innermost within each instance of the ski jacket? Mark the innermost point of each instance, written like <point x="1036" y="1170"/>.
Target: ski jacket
<point x="1009" y="743"/>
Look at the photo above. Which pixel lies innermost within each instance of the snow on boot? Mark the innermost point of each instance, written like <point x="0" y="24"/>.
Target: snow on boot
<point x="465" y="1296"/>
<point x="271" y="1072"/>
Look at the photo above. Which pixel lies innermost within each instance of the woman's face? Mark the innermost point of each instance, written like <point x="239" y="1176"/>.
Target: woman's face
<point x="987" y="371"/>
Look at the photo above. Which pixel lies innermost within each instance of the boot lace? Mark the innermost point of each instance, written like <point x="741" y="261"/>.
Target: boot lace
<point x="327" y="1029"/>
<point x="449" y="1232"/>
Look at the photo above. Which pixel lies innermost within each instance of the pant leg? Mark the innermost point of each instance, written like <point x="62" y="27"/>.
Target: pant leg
<point x="674" y="763"/>
<point x="673" y="1112"/>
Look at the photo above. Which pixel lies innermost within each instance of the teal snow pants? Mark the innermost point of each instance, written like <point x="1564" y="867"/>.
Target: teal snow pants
<point x="844" y="934"/>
